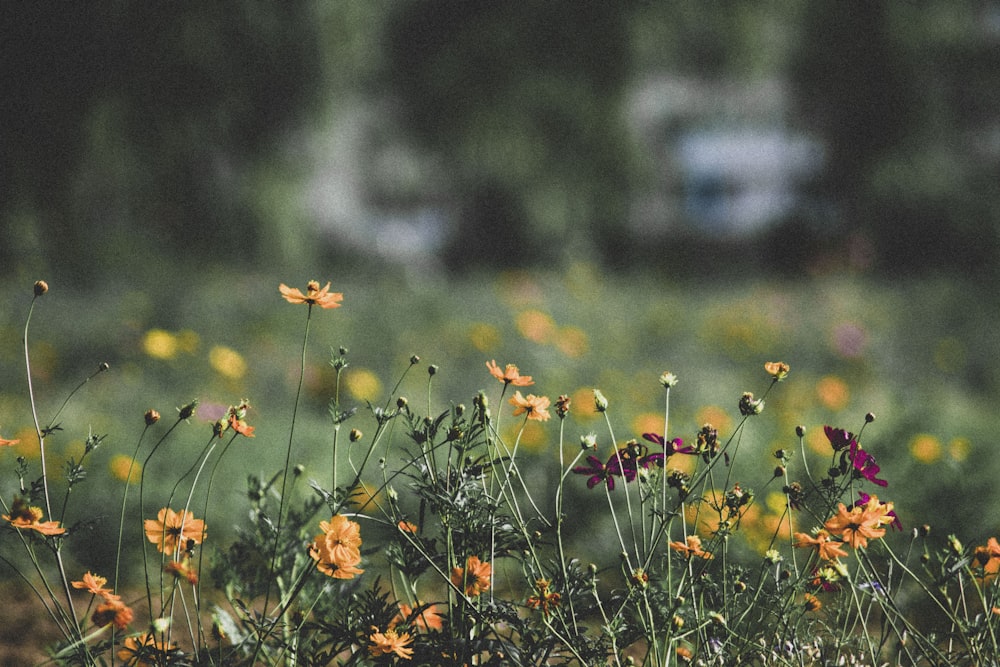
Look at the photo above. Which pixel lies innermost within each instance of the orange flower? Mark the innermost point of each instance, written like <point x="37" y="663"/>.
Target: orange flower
<point x="112" y="610"/>
<point x="536" y="407"/>
<point x="182" y="568"/>
<point x="314" y="296"/>
<point x="988" y="557"/>
<point x="812" y="602"/>
<point x="171" y="529"/>
<point x="825" y="547"/>
<point x="428" y="619"/>
<point x="861" y="523"/>
<point x="8" y="443"/>
<point x="93" y="584"/>
<point x="24" y="517"/>
<point x="777" y="369"/>
<point x="408" y="527"/>
<point x="691" y="547"/>
<point x="475" y="577"/>
<point x="337" y="550"/>
<point x="235" y="419"/>
<point x="509" y="375"/>
<point x="144" y="651"/>
<point x="546" y="600"/>
<point x="384" y="643"/>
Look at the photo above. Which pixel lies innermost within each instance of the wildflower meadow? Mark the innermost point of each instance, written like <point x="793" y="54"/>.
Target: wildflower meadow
<point x="684" y="515"/>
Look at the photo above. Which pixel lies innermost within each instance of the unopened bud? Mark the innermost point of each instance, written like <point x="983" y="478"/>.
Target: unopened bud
<point x="41" y="287"/>
<point x="600" y="402"/>
<point x="151" y="417"/>
<point x="355" y="435"/>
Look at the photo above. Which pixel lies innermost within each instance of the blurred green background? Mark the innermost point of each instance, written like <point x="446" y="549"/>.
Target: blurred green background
<point x="597" y="192"/>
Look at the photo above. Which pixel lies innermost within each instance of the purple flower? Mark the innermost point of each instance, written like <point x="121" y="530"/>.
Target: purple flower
<point x="619" y="464"/>
<point x="839" y="438"/>
<point x="864" y="464"/>
<point x="598" y="472"/>
<point x="669" y="447"/>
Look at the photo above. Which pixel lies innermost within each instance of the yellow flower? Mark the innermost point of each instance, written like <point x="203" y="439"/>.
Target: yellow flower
<point x="314" y="296"/>
<point x="475" y="577"/>
<point x="125" y="468"/>
<point x="509" y="375"/>
<point x="337" y="550"/>
<point x="536" y="407"/>
<point x="227" y="362"/>
<point x="384" y="643"/>
<point x="171" y="529"/>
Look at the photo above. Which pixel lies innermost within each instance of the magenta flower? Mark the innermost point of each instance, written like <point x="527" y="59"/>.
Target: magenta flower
<point x="601" y="472"/>
<point x="839" y="438"/>
<point x="669" y="447"/>
<point x="864" y="464"/>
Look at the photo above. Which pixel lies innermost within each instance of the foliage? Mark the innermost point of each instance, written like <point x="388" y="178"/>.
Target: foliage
<point x="465" y="558"/>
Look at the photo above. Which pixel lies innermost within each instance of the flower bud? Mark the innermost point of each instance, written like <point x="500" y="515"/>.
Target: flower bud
<point x="588" y="441"/>
<point x="668" y="379"/>
<point x="432" y="369"/>
<point x="41" y="287"/>
<point x="355" y="435"/>
<point x="600" y="402"/>
<point x="800" y="430"/>
<point x="151" y="417"/>
<point x="414" y="360"/>
<point x="870" y="417"/>
<point x="103" y="366"/>
<point x="187" y="411"/>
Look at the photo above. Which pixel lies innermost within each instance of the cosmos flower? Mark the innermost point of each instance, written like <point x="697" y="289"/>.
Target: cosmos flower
<point x="691" y="547"/>
<point x="337" y="550"/>
<point x="314" y="296"/>
<point x="170" y="529"/>
<point x="509" y="375"/>
<point x="384" y="643"/>
<point x="826" y="548"/>
<point x="536" y="407"/>
<point x="24" y="517"/>
<point x="474" y="578"/>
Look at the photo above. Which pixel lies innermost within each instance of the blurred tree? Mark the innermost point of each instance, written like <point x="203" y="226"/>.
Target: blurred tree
<point x="887" y="86"/>
<point x="523" y="100"/>
<point x="128" y="127"/>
